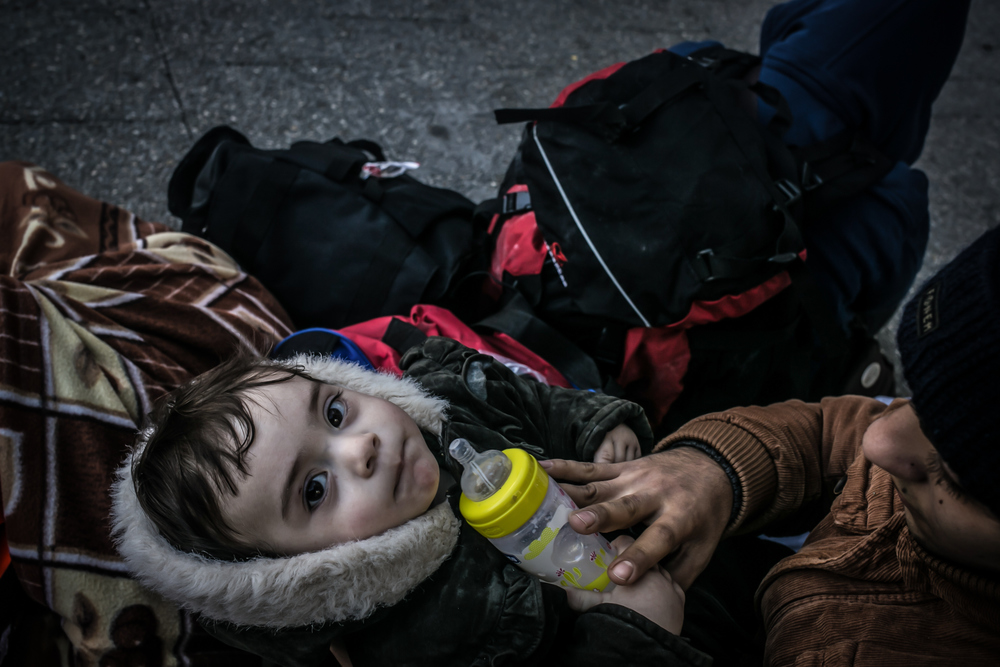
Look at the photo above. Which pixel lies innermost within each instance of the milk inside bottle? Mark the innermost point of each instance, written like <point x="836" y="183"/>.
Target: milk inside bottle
<point x="510" y="499"/>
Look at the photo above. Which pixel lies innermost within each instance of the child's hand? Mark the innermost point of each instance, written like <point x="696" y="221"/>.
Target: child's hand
<point x="655" y="595"/>
<point x="339" y="650"/>
<point x="620" y="444"/>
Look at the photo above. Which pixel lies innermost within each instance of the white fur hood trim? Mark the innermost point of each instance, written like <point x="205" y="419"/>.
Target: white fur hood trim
<point x="344" y="582"/>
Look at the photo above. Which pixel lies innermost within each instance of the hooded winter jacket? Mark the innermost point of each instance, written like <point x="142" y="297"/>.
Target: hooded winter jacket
<point x="432" y="591"/>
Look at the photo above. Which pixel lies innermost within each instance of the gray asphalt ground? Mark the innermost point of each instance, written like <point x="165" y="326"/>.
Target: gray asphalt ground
<point x="110" y="94"/>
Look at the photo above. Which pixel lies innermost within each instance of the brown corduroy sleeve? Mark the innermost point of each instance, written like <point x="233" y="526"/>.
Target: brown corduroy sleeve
<point x="784" y="455"/>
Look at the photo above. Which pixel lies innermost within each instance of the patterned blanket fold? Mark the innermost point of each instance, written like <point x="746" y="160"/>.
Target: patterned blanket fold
<point x="100" y="314"/>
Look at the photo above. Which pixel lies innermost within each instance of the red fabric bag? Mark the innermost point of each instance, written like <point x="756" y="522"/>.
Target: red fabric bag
<point x="380" y="342"/>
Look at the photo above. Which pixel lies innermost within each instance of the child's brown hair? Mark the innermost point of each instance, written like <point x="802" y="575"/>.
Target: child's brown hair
<point x="196" y="442"/>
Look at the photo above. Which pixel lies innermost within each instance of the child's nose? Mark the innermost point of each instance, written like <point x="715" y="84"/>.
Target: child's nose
<point x="362" y="454"/>
<point x="895" y="443"/>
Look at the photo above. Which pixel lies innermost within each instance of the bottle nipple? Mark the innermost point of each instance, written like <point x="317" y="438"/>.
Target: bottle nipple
<point x="484" y="473"/>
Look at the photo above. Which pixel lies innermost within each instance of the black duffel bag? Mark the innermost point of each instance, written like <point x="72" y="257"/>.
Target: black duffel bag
<point x="332" y="240"/>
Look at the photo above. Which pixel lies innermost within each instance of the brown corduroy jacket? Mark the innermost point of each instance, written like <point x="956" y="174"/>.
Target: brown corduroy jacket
<point x="861" y="591"/>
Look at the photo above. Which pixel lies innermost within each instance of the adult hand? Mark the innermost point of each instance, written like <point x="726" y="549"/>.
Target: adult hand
<point x="683" y="496"/>
<point x="655" y="595"/>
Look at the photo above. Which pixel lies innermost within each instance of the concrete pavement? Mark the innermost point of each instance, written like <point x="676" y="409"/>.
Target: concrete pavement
<point x="109" y="94"/>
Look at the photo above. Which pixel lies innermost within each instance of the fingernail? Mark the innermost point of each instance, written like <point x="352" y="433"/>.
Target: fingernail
<point x="588" y="518"/>
<point x="623" y="570"/>
<point x="545" y="464"/>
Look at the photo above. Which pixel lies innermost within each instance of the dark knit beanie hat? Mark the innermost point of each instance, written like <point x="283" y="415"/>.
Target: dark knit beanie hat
<point x="949" y="342"/>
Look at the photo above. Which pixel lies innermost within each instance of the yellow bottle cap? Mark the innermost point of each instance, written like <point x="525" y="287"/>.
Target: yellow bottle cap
<point x="513" y="503"/>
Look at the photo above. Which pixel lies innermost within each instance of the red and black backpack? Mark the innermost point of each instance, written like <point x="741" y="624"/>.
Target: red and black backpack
<point x="646" y="238"/>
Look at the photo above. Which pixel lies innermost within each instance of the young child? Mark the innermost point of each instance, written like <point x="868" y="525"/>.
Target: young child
<point x="297" y="505"/>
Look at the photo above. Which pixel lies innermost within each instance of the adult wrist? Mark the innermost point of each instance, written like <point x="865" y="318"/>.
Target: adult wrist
<point x="744" y="452"/>
<point x="734" y="479"/>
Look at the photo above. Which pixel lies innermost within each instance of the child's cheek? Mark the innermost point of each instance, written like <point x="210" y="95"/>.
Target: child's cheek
<point x="427" y="474"/>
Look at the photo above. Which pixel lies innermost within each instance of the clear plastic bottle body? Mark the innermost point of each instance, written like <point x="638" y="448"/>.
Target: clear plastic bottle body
<point x="547" y="547"/>
<point x="512" y="501"/>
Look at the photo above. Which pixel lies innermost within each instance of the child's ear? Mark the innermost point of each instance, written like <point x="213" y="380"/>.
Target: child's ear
<point x="339" y="650"/>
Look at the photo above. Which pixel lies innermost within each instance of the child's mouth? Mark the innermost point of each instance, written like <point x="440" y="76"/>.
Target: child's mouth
<point x="399" y="472"/>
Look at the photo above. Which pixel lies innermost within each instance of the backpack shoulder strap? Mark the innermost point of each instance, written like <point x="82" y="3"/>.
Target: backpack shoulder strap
<point x="839" y="168"/>
<point x="517" y="320"/>
<point x="401" y="335"/>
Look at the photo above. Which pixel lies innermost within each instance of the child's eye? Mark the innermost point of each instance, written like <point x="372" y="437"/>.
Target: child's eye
<point x="336" y="410"/>
<point x="315" y="490"/>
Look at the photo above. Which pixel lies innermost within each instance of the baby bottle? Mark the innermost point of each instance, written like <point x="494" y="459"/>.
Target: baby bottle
<point x="510" y="499"/>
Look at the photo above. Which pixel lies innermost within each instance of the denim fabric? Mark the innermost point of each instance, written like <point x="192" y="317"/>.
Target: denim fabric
<point x="878" y="66"/>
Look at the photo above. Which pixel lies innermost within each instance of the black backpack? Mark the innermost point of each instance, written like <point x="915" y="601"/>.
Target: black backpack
<point x="333" y="246"/>
<point x="646" y="240"/>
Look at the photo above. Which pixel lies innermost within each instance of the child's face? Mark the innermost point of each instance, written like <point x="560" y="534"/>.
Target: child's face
<point x="939" y="515"/>
<point x="327" y="466"/>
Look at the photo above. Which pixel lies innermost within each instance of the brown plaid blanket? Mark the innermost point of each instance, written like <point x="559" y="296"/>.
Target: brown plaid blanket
<point x="100" y="314"/>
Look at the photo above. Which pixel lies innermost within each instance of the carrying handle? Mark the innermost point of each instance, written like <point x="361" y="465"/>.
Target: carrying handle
<point x="180" y="191"/>
<point x="370" y="147"/>
<point x="611" y="120"/>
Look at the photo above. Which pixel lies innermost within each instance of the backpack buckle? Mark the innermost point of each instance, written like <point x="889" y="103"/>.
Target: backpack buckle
<point x="784" y="258"/>
<point x="706" y="256"/>
<point x="790" y="190"/>
<point x="514" y="202"/>
<point x="703" y="61"/>
<point x="810" y="179"/>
